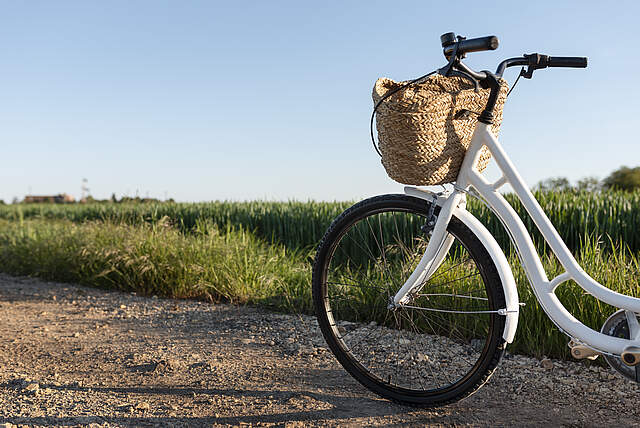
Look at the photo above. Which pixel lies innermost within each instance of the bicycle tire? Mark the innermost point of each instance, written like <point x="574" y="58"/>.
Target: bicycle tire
<point x="364" y="367"/>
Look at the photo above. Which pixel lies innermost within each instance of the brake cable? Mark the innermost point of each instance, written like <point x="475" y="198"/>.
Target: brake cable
<point x="522" y="72"/>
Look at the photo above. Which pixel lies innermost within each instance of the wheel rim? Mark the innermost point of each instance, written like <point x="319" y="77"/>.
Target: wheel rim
<point x="409" y="350"/>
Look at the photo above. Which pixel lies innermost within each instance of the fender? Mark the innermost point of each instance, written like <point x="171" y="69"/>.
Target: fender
<point x="494" y="250"/>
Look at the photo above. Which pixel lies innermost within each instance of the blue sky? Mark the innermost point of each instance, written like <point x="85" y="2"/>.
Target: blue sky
<point x="205" y="100"/>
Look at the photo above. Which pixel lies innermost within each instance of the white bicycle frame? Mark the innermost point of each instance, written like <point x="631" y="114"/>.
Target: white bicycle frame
<point x="544" y="289"/>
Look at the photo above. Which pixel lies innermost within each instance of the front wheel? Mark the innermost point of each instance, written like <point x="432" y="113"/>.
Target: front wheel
<point x="438" y="348"/>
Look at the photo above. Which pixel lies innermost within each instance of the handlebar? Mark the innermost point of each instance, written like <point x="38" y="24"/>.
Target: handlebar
<point x="455" y="47"/>
<point x="538" y="61"/>
<point x="460" y="45"/>
<point x="568" y="61"/>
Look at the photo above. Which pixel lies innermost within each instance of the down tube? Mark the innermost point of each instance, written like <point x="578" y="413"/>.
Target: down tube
<point x="543" y="288"/>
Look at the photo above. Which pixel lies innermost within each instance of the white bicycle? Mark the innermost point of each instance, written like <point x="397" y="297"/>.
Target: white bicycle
<point x="415" y="297"/>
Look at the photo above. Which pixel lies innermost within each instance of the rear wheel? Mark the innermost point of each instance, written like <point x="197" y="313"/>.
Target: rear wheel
<point x="438" y="348"/>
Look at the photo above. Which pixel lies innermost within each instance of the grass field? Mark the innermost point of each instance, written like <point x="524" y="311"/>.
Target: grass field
<point x="612" y="216"/>
<point x="260" y="253"/>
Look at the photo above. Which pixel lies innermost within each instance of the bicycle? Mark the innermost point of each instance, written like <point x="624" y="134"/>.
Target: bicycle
<point x="413" y="294"/>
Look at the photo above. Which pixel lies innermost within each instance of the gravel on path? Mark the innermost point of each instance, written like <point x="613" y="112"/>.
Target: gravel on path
<point x="78" y="356"/>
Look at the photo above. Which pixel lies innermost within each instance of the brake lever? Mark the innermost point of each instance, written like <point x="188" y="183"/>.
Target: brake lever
<point x="528" y="74"/>
<point x="536" y="62"/>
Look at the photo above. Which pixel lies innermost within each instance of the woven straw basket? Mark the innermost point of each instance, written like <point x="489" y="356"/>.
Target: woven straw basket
<point x="422" y="133"/>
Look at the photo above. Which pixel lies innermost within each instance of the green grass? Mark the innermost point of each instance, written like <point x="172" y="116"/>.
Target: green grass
<point x="158" y="260"/>
<point x="617" y="269"/>
<point x="300" y="225"/>
<point x="234" y="265"/>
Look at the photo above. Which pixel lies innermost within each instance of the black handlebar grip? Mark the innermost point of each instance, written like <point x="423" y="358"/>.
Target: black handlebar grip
<point x="567" y="61"/>
<point x="488" y="43"/>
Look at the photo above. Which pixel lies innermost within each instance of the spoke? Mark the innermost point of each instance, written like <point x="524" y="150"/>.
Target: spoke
<point x="411" y="258"/>
<point x="416" y="331"/>
<point x="376" y="239"/>
<point x="386" y="318"/>
<point x="434" y="332"/>
<point x="401" y="331"/>
<point x="355" y="280"/>
<point x="462" y="296"/>
<point x="451" y="267"/>
<point x="357" y="286"/>
<point x="460" y="355"/>
<point x="427" y="268"/>
<point x="383" y="248"/>
<point x="453" y="331"/>
<point x="348" y="333"/>
<point x="397" y="345"/>
<point x="360" y="246"/>
<point x="453" y="280"/>
<point x="448" y="311"/>
<point x="442" y="327"/>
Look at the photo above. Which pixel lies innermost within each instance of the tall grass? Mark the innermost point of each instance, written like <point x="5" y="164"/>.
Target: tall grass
<point x="302" y="224"/>
<point x="617" y="269"/>
<point x="159" y="260"/>
<point x="234" y="265"/>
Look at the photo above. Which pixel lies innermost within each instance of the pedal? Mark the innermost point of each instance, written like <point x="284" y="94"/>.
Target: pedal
<point x="580" y="351"/>
<point x="631" y="355"/>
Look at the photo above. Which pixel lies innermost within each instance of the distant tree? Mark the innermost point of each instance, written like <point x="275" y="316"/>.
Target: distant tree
<point x="2" y="202"/>
<point x="588" y="184"/>
<point x="624" y="178"/>
<point x="554" y="184"/>
<point x="113" y="198"/>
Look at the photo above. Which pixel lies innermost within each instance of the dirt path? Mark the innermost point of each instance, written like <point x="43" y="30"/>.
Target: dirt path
<point x="76" y="356"/>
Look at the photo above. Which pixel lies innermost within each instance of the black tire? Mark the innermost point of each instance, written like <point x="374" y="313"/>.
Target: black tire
<point x="352" y="285"/>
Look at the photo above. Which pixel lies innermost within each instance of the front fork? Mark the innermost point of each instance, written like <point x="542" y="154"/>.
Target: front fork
<point x="437" y="248"/>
